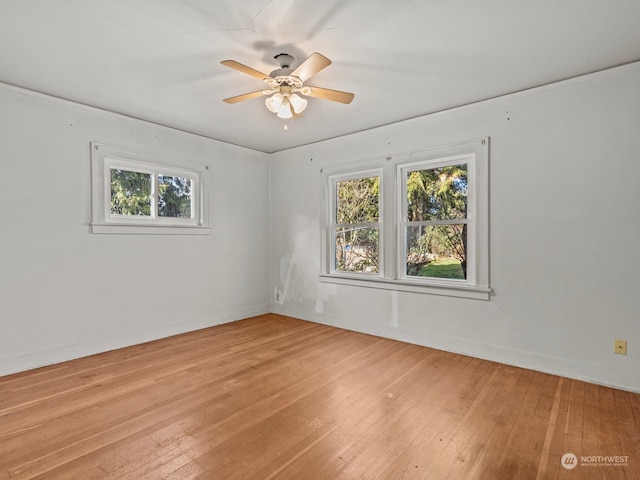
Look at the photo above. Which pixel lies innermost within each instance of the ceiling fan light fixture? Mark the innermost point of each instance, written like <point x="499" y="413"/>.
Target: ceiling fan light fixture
<point x="285" y="111"/>
<point x="298" y="103"/>
<point x="286" y="87"/>
<point x="274" y="102"/>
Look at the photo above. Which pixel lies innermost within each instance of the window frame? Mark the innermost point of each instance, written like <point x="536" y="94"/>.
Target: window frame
<point x="329" y="258"/>
<point x="105" y="158"/>
<point x="392" y="276"/>
<point x="472" y="227"/>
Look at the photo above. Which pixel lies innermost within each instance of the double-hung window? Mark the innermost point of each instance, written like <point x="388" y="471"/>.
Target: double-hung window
<point x="356" y="222"/>
<point x="436" y="224"/>
<point x="135" y="192"/>
<point x="435" y="236"/>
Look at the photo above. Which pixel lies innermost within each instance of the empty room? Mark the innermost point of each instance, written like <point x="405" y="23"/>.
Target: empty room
<point x="293" y="239"/>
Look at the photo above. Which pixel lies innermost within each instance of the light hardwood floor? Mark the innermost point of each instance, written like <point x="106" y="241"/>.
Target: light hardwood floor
<point x="277" y="398"/>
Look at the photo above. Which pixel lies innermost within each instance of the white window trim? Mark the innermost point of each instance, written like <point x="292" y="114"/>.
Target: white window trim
<point x="472" y="227"/>
<point x="106" y="157"/>
<point x="329" y="250"/>
<point x="477" y="284"/>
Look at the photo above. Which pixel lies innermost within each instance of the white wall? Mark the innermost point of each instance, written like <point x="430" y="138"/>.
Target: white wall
<point x="564" y="232"/>
<point x="65" y="292"/>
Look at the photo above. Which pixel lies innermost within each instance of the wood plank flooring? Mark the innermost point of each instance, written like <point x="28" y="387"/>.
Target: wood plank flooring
<point x="272" y="397"/>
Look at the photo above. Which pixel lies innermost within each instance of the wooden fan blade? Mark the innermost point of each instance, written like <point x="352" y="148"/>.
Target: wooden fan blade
<point x="333" y="95"/>
<point x="311" y="66"/>
<point x="245" y="96"/>
<point x="244" y="69"/>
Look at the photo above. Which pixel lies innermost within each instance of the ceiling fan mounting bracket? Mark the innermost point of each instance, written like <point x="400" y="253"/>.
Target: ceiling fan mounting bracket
<point x="284" y="60"/>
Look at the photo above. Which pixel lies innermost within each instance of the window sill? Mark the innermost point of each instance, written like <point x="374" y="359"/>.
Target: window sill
<point x="131" y="229"/>
<point x="459" y="291"/>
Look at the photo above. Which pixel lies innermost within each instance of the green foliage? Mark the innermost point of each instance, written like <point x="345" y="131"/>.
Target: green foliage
<point x="174" y="197"/>
<point x="357" y="203"/>
<point x="433" y="195"/>
<point x="436" y="194"/>
<point x="130" y="193"/>
<point x="358" y="200"/>
<point x="446" y="268"/>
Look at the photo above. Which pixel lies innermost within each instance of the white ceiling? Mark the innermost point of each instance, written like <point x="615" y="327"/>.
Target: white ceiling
<point x="159" y="60"/>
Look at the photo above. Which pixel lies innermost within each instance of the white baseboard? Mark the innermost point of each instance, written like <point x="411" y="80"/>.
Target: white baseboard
<point x="565" y="367"/>
<point x="28" y="361"/>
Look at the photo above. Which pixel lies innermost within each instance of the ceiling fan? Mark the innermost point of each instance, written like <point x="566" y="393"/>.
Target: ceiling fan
<point x="286" y="84"/>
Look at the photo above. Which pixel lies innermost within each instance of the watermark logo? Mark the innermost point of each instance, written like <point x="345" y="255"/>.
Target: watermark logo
<point x="569" y="461"/>
<point x="604" y="461"/>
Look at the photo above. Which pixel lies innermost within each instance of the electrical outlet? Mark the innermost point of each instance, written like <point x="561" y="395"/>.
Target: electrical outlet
<point x="620" y="347"/>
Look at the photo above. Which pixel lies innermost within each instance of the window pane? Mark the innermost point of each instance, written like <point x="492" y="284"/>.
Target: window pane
<point x="130" y="193"/>
<point x="357" y="249"/>
<point x="437" y="193"/>
<point x="174" y="197"/>
<point x="436" y="251"/>
<point x="357" y="200"/>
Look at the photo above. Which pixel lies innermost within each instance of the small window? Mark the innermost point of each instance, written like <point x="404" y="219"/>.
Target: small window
<point x="138" y="193"/>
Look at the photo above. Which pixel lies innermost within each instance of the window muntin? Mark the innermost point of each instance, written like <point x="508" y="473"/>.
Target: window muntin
<point x="134" y="192"/>
<point x="355" y="223"/>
